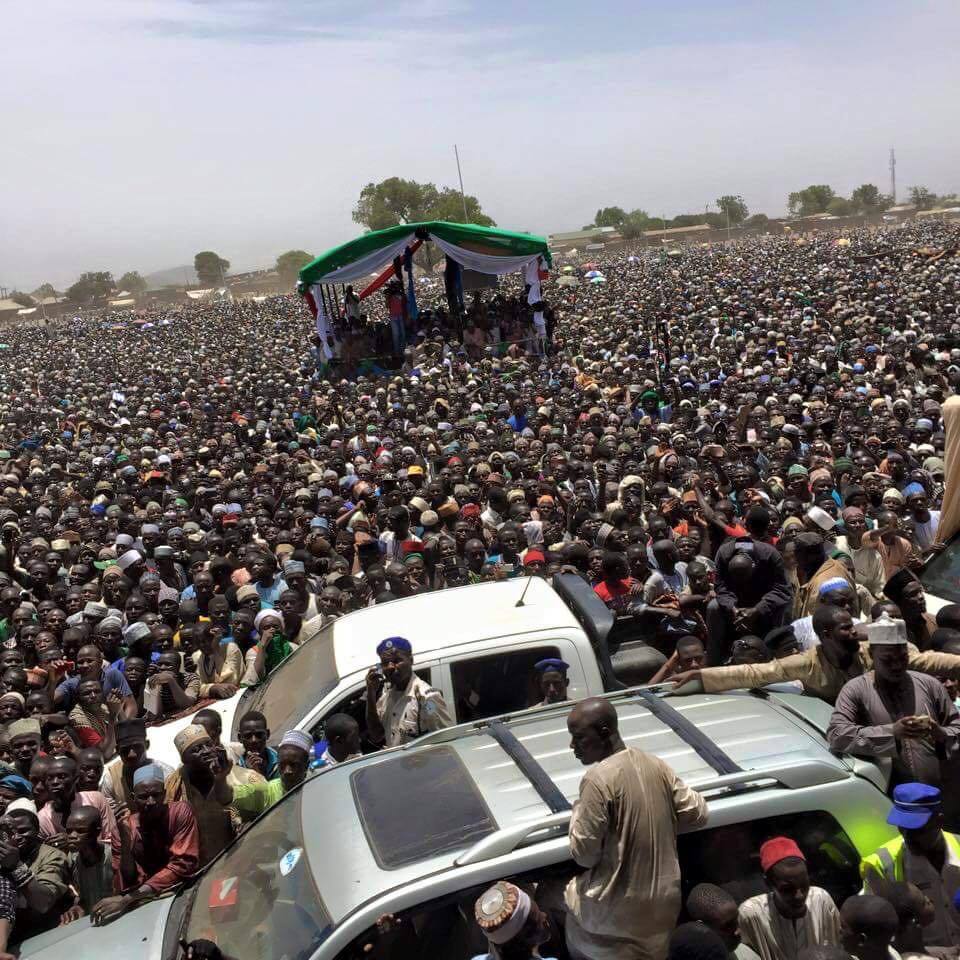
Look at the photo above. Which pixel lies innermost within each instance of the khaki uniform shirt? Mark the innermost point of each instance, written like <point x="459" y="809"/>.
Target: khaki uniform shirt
<point x="410" y="713"/>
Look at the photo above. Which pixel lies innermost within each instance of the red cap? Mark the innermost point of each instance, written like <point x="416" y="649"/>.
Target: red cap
<point x="777" y="849"/>
<point x="533" y="556"/>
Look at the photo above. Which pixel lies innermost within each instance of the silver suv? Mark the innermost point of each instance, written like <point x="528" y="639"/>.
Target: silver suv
<point x="419" y="831"/>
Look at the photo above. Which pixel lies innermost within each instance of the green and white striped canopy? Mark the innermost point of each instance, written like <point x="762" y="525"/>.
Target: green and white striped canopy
<point x="484" y="249"/>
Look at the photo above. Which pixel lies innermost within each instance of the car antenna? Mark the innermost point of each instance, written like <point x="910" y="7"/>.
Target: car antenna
<point x="520" y="603"/>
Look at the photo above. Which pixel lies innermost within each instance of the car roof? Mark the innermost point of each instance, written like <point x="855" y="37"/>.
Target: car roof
<point x="446" y="618"/>
<point x="769" y="743"/>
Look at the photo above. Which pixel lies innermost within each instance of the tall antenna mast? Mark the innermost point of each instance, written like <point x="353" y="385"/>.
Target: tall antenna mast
<point x="456" y="153"/>
<point x="893" y="176"/>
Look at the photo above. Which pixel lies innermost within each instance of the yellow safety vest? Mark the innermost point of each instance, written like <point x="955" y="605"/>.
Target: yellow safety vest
<point x="887" y="860"/>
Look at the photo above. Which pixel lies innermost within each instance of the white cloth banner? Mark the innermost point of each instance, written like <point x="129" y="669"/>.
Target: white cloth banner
<point x="374" y="261"/>
<point x="483" y="262"/>
<point x="532" y="277"/>
<point x="324" y="328"/>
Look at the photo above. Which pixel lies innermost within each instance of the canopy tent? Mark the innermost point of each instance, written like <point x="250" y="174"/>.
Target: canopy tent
<point x="484" y="249"/>
<point x="467" y="246"/>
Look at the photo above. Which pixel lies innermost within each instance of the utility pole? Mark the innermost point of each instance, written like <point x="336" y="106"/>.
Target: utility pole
<point x="456" y="153"/>
<point x="893" y="176"/>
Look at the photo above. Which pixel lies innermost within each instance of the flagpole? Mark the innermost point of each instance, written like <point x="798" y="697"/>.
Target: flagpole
<point x="456" y="153"/>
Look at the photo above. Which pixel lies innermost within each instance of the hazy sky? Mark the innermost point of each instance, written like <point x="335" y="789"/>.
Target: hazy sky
<point x="138" y="132"/>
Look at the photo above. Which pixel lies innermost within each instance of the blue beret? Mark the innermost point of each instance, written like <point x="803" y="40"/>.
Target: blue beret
<point x="551" y="663"/>
<point x="394" y="643"/>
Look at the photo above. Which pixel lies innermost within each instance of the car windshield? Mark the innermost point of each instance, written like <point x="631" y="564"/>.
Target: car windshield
<point x="941" y="576"/>
<point x="259" y="899"/>
<point x="297" y="685"/>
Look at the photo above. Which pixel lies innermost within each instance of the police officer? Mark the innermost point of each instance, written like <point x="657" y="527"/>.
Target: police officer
<point x="400" y="706"/>
<point x="552" y="681"/>
<point x="924" y="854"/>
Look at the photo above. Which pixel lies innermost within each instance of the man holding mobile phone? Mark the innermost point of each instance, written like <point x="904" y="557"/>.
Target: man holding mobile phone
<point x="408" y="707"/>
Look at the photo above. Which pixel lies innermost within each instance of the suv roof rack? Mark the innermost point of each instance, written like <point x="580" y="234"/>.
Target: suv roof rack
<point x="701" y="744"/>
<point x="549" y="792"/>
<point x="790" y="774"/>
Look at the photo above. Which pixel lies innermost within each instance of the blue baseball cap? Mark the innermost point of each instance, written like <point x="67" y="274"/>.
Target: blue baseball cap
<point x="913" y="805"/>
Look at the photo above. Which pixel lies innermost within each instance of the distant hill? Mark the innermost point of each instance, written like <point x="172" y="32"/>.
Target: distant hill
<point x="174" y="276"/>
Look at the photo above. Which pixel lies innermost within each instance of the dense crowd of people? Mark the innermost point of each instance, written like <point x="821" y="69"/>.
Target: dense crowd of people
<point x="740" y="448"/>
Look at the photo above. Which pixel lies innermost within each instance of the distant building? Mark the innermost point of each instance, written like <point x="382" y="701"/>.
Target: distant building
<point x="940" y="213"/>
<point x="257" y="283"/>
<point x="696" y="232"/>
<point x="162" y="295"/>
<point x="901" y="211"/>
<point x="9" y="309"/>
<point x="581" y="238"/>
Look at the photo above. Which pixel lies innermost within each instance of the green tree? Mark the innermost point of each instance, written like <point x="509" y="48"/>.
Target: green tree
<point x="449" y="206"/>
<point x="840" y="207"/>
<point x="634" y="224"/>
<point x="689" y="220"/>
<point x="922" y="198"/>
<point x="395" y="200"/>
<point x="734" y="207"/>
<point x="24" y="299"/>
<point x="867" y="198"/>
<point x="93" y="285"/>
<point x="759" y="221"/>
<point x="132" y="282"/>
<point x="210" y="268"/>
<point x="610" y="217"/>
<point x="44" y="291"/>
<point x="289" y="264"/>
<point x="810" y="200"/>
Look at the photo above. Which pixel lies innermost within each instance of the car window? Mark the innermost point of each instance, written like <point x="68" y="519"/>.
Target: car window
<point x="445" y="926"/>
<point x="354" y="704"/>
<point x="497" y="683"/>
<point x="442" y="809"/>
<point x="291" y="691"/>
<point x="729" y="856"/>
<point x="941" y="576"/>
